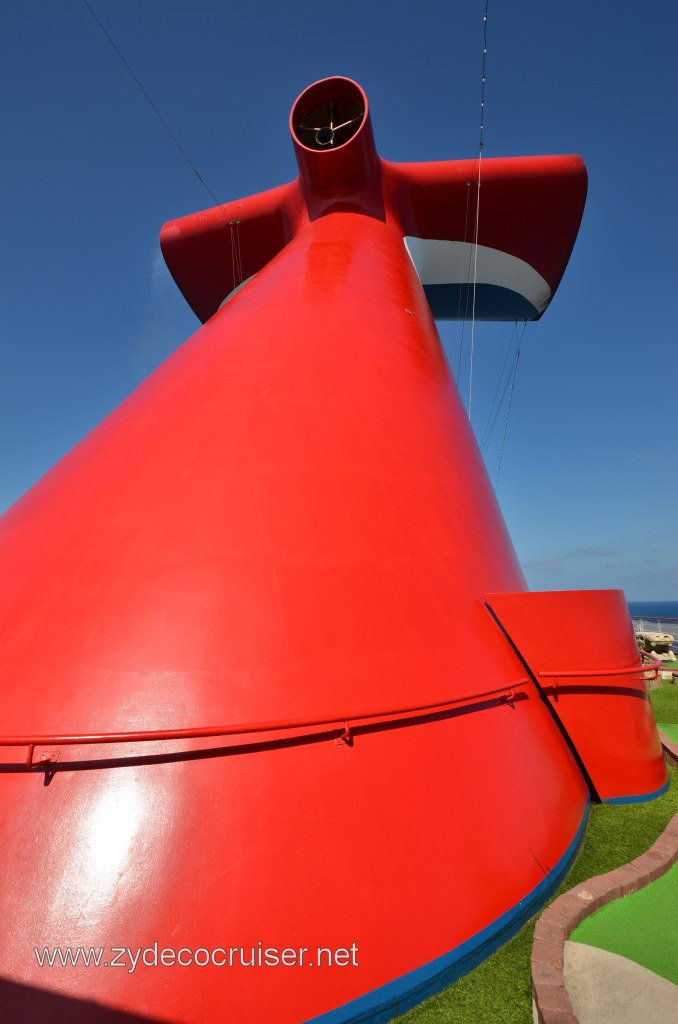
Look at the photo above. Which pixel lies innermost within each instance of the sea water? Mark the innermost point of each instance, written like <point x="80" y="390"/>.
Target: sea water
<point x="653" y="609"/>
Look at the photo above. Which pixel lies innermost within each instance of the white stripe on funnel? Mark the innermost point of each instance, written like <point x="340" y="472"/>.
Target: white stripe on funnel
<point x="235" y="290"/>
<point x="441" y="262"/>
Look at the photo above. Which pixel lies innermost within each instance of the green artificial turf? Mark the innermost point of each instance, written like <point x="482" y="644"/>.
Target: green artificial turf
<point x="499" y="991"/>
<point x="665" y="702"/>
<point x="642" y="927"/>
<point x="671" y="730"/>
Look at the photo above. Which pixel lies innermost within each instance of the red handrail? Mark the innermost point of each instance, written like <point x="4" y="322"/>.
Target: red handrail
<point x="589" y="673"/>
<point x="334" y="723"/>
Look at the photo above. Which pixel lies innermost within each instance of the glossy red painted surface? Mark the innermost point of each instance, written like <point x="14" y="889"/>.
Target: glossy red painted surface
<point x="288" y="522"/>
<point x="580" y="646"/>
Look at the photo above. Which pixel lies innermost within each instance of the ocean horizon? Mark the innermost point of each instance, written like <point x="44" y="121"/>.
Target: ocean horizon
<point x="653" y="609"/>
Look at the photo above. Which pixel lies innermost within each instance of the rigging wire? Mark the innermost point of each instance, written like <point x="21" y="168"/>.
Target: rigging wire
<point x="234" y="225"/>
<point x="236" y="256"/>
<point x="493" y="415"/>
<point x="508" y="409"/>
<point x="499" y="408"/>
<point x="477" y="225"/>
<point x="494" y="412"/>
<point x="151" y="104"/>
<point x="468" y="280"/>
<point x="464" y="320"/>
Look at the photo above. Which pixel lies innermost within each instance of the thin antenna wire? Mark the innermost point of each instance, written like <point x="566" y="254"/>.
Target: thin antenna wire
<point x="480" y="157"/>
<point x="237" y="236"/>
<point x="468" y="290"/>
<point x="482" y="88"/>
<point x="486" y="445"/>
<point x="508" y="410"/>
<point x="152" y="105"/>
<point x="468" y="278"/>
<point x="495" y="408"/>
<point x="475" y="277"/>
<point x="236" y="255"/>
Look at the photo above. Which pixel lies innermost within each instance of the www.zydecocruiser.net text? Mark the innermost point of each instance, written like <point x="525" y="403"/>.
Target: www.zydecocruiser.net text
<point x="129" y="959"/>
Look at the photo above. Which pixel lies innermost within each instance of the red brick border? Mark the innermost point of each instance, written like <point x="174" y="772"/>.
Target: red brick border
<point x="670" y="748"/>
<point x="550" y="996"/>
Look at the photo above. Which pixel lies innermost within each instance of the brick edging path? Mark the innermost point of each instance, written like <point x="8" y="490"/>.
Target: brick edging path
<point x="670" y="749"/>
<point x="551" y="999"/>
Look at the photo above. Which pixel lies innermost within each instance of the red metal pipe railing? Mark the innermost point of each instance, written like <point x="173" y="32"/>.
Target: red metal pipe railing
<point x="590" y="673"/>
<point x="336" y="722"/>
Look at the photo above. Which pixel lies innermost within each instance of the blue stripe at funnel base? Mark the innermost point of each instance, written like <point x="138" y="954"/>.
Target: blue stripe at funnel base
<point x="401" y="994"/>
<point x="639" y="798"/>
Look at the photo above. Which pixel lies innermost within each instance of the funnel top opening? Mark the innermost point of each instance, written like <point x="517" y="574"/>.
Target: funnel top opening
<point x="328" y="114"/>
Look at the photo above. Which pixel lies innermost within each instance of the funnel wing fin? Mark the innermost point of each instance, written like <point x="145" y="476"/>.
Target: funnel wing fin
<point x="211" y="253"/>
<point x="526" y="212"/>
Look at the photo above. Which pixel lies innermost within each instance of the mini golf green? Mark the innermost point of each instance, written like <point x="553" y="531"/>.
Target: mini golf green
<point x="671" y="730"/>
<point x="642" y="927"/>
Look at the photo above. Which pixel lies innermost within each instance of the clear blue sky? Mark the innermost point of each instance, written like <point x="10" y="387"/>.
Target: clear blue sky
<point x="587" y="482"/>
